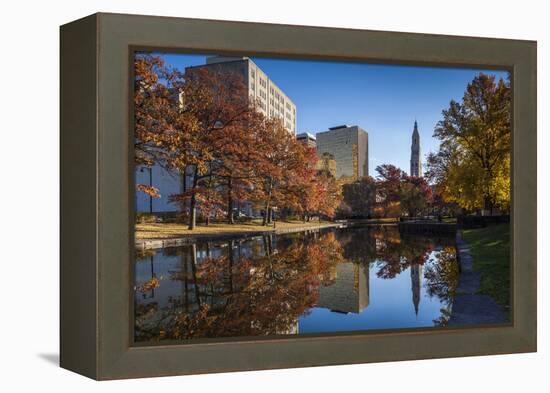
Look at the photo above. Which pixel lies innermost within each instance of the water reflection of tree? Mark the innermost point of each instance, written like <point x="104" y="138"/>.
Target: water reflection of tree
<point x="442" y="280"/>
<point x="395" y="252"/>
<point x="228" y="295"/>
<point x="259" y="287"/>
<point x="359" y="244"/>
<point x="442" y="275"/>
<point x="385" y="246"/>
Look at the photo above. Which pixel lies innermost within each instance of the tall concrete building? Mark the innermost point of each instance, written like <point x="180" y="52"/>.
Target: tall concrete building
<point x="271" y="100"/>
<point x="416" y="161"/>
<point x="349" y="145"/>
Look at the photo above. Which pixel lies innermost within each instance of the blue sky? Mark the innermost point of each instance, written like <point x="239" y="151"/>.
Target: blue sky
<point x="384" y="100"/>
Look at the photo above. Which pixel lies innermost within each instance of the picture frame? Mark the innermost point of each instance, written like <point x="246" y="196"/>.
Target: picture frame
<point x="97" y="192"/>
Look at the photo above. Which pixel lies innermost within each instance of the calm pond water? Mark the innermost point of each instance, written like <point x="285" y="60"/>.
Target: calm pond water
<point x="325" y="281"/>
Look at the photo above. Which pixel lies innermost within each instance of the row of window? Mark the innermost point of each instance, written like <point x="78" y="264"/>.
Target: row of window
<point x="276" y="101"/>
<point x="274" y="93"/>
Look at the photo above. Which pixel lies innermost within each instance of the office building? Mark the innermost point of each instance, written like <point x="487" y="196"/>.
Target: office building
<point x="349" y="145"/>
<point x="270" y="99"/>
<point x="307" y="139"/>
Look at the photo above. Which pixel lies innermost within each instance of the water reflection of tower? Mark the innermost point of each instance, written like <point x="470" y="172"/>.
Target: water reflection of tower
<point x="416" y="285"/>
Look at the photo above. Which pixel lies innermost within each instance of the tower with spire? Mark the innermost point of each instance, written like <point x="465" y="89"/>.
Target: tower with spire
<point x="416" y="163"/>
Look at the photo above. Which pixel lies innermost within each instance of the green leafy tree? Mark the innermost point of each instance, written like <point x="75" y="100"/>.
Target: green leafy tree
<point x="472" y="167"/>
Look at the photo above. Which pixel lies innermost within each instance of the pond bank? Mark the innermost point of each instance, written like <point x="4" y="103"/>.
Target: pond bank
<point x="144" y="244"/>
<point x="469" y="306"/>
<point x="423" y="227"/>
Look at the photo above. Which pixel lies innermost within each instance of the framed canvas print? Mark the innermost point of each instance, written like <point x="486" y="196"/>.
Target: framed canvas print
<point x="241" y="196"/>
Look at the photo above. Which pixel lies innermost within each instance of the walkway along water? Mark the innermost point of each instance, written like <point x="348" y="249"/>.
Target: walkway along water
<point x="469" y="306"/>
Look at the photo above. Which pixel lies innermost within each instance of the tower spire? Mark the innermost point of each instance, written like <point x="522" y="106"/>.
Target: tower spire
<point x="416" y="164"/>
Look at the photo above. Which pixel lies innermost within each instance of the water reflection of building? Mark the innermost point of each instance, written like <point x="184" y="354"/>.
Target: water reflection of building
<point x="416" y="285"/>
<point x="349" y="289"/>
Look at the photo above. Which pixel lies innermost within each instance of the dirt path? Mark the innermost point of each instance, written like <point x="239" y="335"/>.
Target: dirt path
<point x="470" y="307"/>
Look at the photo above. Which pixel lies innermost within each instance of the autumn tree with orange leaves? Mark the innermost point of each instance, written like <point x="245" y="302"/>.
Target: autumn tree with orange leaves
<point x="201" y="125"/>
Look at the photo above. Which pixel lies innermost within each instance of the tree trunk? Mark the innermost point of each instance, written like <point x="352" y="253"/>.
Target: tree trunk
<point x="267" y="248"/>
<point x="487" y="204"/>
<point x="194" y="273"/>
<point x="230" y="216"/>
<point x="193" y="206"/>
<point x="267" y="206"/>
<point x="266" y="213"/>
<point x="270" y="244"/>
<point x="231" y="262"/>
<point x="270" y="216"/>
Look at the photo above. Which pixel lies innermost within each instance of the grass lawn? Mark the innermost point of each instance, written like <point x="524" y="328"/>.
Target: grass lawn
<point x="490" y="248"/>
<point x="166" y="230"/>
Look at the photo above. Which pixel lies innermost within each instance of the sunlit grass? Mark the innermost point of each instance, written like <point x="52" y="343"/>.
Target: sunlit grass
<point x="171" y="230"/>
<point x="490" y="248"/>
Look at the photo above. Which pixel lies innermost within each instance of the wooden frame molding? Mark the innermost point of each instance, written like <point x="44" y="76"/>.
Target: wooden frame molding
<point x="97" y="195"/>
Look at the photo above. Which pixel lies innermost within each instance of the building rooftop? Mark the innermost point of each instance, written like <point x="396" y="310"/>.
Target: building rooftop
<point x="338" y="127"/>
<point x="303" y="135"/>
<point x="224" y="59"/>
